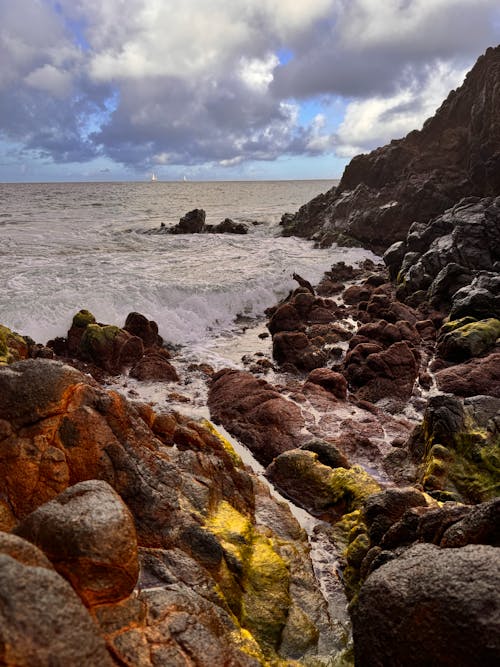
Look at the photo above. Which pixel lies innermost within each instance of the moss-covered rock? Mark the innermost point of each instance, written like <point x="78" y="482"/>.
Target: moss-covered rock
<point x="110" y="347"/>
<point x="13" y="347"/>
<point x="462" y="461"/>
<point x="260" y="573"/>
<point x="322" y="490"/>
<point x="83" y="318"/>
<point x="464" y="341"/>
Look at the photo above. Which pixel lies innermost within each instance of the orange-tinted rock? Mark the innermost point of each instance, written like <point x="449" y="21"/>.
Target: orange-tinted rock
<point x="88" y="533"/>
<point x="333" y="382"/>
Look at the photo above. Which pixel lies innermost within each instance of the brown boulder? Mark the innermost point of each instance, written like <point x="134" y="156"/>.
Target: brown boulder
<point x="147" y="330"/>
<point x="375" y="373"/>
<point x="89" y="535"/>
<point x="297" y="350"/>
<point x="154" y="367"/>
<point x="333" y="382"/>
<point x="255" y="413"/>
<point x="43" y="622"/>
<point x="477" y="376"/>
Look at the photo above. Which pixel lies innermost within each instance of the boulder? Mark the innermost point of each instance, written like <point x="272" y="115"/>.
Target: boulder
<point x="295" y="349"/>
<point x="89" y="535"/>
<point x="147" y="330"/>
<point x="191" y="223"/>
<point x="43" y="621"/>
<point x="154" y="367"/>
<point x="324" y="491"/>
<point x="469" y="340"/>
<point x="110" y="347"/>
<point x="333" y="382"/>
<point x="227" y="226"/>
<point x="477" y="376"/>
<point x="256" y="413"/>
<point x="430" y="606"/>
<point x="13" y="347"/>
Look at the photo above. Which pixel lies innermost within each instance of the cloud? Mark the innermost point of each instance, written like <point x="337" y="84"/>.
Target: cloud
<point x="158" y="82"/>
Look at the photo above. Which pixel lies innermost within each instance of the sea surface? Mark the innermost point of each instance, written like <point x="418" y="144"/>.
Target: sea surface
<point x="67" y="246"/>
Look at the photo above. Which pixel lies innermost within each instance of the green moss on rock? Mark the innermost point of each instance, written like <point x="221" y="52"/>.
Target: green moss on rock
<point x="83" y="318"/>
<point x="13" y="347"/>
<point x="469" y="340"/>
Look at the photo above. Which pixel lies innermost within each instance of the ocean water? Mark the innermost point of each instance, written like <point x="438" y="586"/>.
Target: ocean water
<point x="82" y="245"/>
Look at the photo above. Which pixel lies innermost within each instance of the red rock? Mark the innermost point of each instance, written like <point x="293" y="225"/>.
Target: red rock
<point x="477" y="376"/>
<point x="147" y="330"/>
<point x="333" y="382"/>
<point x="254" y="412"/>
<point x="154" y="367"/>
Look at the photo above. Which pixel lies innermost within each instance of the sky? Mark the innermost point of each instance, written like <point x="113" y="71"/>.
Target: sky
<point x="103" y="90"/>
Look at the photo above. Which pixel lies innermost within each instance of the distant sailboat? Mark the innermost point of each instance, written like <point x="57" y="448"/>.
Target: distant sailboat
<point x="154" y="177"/>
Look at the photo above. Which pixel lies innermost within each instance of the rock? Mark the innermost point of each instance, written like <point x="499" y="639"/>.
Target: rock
<point x="374" y="373"/>
<point x="430" y="606"/>
<point x="255" y="413"/>
<point x="457" y="449"/>
<point x="416" y="178"/>
<point x="481" y="525"/>
<point x="477" y="376"/>
<point x="469" y="340"/>
<point x="333" y="382"/>
<point x="78" y="325"/>
<point x="227" y="226"/>
<point x="328" y="453"/>
<point x="43" y="622"/>
<point x="480" y="299"/>
<point x="154" y="367"/>
<point x="147" y="330"/>
<point x="110" y="347"/>
<point x="382" y="510"/>
<point x="89" y="535"/>
<point x="13" y="347"/>
<point x="23" y="551"/>
<point x="191" y="223"/>
<point x="324" y="491"/>
<point x="295" y="349"/>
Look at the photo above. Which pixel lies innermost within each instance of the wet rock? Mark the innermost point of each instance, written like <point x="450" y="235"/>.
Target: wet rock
<point x="227" y="226"/>
<point x="322" y="490"/>
<point x="89" y="535"/>
<point x="43" y="621"/>
<point x="477" y="376"/>
<point x="255" y="413"/>
<point x="375" y="373"/>
<point x="333" y="382"/>
<point x="481" y="298"/>
<point x="296" y="350"/>
<point x="110" y="347"/>
<point x="154" y="367"/>
<point x="191" y="223"/>
<point x="147" y="330"/>
<point x="328" y="453"/>
<point x="430" y="606"/>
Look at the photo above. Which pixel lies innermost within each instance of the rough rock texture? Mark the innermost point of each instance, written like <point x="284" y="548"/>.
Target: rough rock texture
<point x="477" y="376"/>
<point x="255" y="413"/>
<point x="457" y="448"/>
<point x="88" y="534"/>
<point x="13" y="347"/>
<point x="191" y="499"/>
<point x="456" y="154"/>
<point x="431" y="606"/>
<point x="43" y="621"/>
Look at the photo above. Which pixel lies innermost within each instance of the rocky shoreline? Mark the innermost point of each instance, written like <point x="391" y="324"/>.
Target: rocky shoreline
<point x="134" y="534"/>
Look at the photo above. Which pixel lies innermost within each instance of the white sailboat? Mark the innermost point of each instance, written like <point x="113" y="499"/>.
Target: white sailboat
<point x="154" y="177"/>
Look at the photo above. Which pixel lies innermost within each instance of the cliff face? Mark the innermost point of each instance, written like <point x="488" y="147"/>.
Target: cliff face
<point x="456" y="154"/>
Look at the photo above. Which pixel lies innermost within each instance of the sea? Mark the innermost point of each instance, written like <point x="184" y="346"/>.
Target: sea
<point x="68" y="246"/>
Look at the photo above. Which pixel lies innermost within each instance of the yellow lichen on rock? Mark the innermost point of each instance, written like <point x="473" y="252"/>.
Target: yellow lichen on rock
<point x="224" y="442"/>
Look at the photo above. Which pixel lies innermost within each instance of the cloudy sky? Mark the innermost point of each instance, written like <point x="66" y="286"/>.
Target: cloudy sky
<point x="223" y="89"/>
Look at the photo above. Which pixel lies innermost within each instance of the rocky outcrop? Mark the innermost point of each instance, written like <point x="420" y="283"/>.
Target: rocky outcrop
<point x="430" y="606"/>
<point x="225" y="572"/>
<point x="194" y="223"/>
<point x="456" y="154"/>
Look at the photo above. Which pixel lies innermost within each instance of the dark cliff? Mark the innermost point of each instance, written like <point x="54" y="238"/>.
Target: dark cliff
<point x="456" y="154"/>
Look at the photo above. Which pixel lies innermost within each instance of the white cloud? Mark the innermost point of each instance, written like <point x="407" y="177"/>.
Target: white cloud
<point x="257" y="73"/>
<point x="51" y="80"/>
<point x="375" y="121"/>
